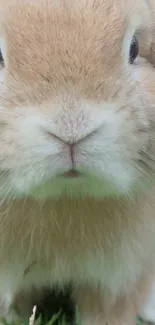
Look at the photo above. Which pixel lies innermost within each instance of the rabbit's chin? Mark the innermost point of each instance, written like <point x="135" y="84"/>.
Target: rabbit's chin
<point x="113" y="179"/>
<point x="80" y="186"/>
<point x="84" y="188"/>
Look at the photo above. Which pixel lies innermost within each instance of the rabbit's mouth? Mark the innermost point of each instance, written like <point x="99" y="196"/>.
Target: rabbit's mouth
<point x="72" y="173"/>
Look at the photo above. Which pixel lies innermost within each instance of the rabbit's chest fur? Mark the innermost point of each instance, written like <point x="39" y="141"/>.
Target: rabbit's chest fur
<point x="78" y="241"/>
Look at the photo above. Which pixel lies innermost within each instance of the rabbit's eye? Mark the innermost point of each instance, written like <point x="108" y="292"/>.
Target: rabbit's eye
<point x="134" y="49"/>
<point x="1" y="58"/>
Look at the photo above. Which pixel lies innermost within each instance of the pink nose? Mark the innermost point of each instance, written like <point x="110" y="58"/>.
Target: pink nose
<point x="71" y="137"/>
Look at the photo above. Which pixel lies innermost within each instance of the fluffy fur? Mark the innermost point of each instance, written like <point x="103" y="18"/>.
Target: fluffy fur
<point x="70" y="98"/>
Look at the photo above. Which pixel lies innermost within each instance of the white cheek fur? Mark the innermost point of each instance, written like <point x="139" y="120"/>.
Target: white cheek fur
<point x="2" y="76"/>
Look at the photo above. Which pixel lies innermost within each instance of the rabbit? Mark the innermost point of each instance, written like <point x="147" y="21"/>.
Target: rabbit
<point x="77" y="153"/>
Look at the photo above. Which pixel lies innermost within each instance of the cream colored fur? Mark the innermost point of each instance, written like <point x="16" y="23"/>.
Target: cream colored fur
<point x="67" y="81"/>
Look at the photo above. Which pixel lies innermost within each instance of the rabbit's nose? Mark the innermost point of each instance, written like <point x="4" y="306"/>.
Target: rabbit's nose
<point x="69" y="135"/>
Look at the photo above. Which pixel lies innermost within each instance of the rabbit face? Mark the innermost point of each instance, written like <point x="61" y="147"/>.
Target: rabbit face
<point x="75" y="117"/>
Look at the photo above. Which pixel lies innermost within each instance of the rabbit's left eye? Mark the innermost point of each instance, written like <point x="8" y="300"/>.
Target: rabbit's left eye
<point x="134" y="50"/>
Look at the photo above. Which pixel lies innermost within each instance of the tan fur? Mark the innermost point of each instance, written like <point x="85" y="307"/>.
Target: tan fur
<point x="67" y="81"/>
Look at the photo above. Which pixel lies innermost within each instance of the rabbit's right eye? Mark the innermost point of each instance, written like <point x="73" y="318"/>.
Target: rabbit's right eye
<point x="134" y="50"/>
<point x="1" y="58"/>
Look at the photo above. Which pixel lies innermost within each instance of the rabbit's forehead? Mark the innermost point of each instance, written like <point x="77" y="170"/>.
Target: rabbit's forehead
<point x="54" y="35"/>
<point x="55" y="18"/>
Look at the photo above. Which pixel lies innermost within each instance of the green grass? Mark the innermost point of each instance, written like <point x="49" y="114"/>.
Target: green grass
<point x="60" y="319"/>
<point x="57" y="319"/>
